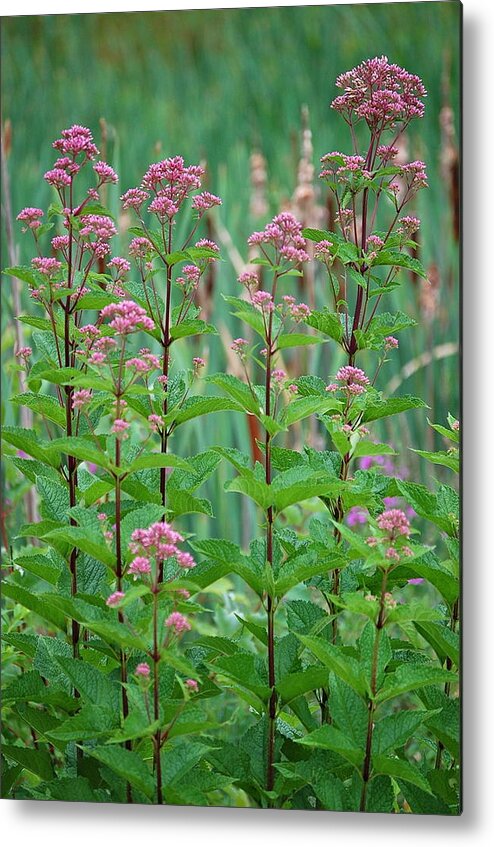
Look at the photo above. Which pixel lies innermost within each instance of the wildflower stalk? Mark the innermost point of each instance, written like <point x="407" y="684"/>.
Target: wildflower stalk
<point x="157" y="741"/>
<point x="269" y="555"/>
<point x="373" y="687"/>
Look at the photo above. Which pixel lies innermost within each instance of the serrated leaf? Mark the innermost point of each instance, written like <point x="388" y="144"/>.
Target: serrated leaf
<point x="294" y="684"/>
<point x="399" y="769"/>
<point x="326" y="322"/>
<point x="393" y="731"/>
<point x="337" y="660"/>
<point x="92" y="684"/>
<point x="126" y="764"/>
<point x="411" y="677"/>
<point x="42" y="404"/>
<point x="91" y="722"/>
<point x="78" y="537"/>
<point x="377" y="409"/>
<point x="237" y="389"/>
<point x="36" y="761"/>
<point x="330" y="738"/>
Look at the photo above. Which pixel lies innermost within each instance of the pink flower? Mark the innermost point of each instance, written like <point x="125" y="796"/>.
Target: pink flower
<point x="143" y="669"/>
<point x="380" y="93"/>
<point x="393" y="554"/>
<point x="238" y="346"/>
<point x="46" y="265"/>
<point x="394" y="522"/>
<point x="115" y="598"/>
<point x="249" y="278"/>
<point x="105" y="173"/>
<point x="140" y="247"/>
<point x="299" y="311"/>
<point x="323" y="249"/>
<point x="75" y="140"/>
<point x="178" y="622"/>
<point x="204" y="201"/>
<point x="24" y="353"/>
<point x="192" y="685"/>
<point x="263" y="300"/>
<point x="99" y="225"/>
<point x="127" y="317"/>
<point x="156" y="422"/>
<point x="278" y="375"/>
<point x="416" y="580"/>
<point x="122" y="266"/>
<point x="140" y="565"/>
<point x="57" y="177"/>
<point x="284" y="233"/>
<point x="163" y="206"/>
<point x="185" y="560"/>
<point x="332" y="387"/>
<point x="456" y="426"/>
<point x="207" y="244"/>
<point x="134" y="198"/>
<point x="390" y="342"/>
<point x="191" y="277"/>
<point x="119" y="427"/>
<point x="31" y="216"/>
<point x="60" y="242"/>
<point x="81" y="398"/>
<point x="292" y="388"/>
<point x="198" y="362"/>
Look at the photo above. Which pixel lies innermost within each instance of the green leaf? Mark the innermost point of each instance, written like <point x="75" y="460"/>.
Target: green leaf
<point x="303" y="407"/>
<point x="304" y="566"/>
<point x="370" y="448"/>
<point x="303" y="616"/>
<point x="35" y="603"/>
<point x="191" y="327"/>
<point x="91" y="722"/>
<point x="43" y="404"/>
<point x="330" y="738"/>
<point x="36" y="761"/>
<point x="28" y="441"/>
<point x="54" y="498"/>
<point x="83" y="449"/>
<point x="393" y="731"/>
<point x="195" y="407"/>
<point x="444" y="642"/>
<point x="326" y="322"/>
<point x="349" y="711"/>
<point x="399" y="769"/>
<point x="371" y="653"/>
<point x="296" y="339"/>
<point x="237" y="389"/>
<point x="396" y="259"/>
<point x="296" y="485"/>
<point x="394" y="405"/>
<point x="411" y="677"/>
<point x="29" y="687"/>
<point x="294" y="684"/>
<point x="40" y="565"/>
<point x="336" y="659"/>
<point x="91" y="683"/>
<point x="157" y="460"/>
<point x="115" y="633"/>
<point x="78" y="537"/>
<point x="242" y="668"/>
<point x="127" y="765"/>
<point x="447" y="459"/>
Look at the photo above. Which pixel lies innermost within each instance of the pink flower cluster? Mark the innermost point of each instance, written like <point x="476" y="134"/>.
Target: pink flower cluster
<point x="101" y="226"/>
<point x="354" y="379"/>
<point x="178" y="622"/>
<point x="394" y="522"/>
<point x="284" y="233"/>
<point x="105" y="173"/>
<point x="239" y="346"/>
<point x="46" y="265"/>
<point x="31" y="217"/>
<point x="170" y="182"/>
<point x="380" y="93"/>
<point x="81" y="398"/>
<point x="160" y="541"/>
<point x="204" y="201"/>
<point x="263" y="300"/>
<point x="75" y="140"/>
<point x="127" y="317"/>
<point x="139" y="247"/>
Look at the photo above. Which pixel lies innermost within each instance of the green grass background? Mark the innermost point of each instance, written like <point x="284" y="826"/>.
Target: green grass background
<point x="214" y="85"/>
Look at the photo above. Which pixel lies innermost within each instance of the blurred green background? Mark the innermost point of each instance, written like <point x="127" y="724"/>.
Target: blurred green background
<point x="216" y="86"/>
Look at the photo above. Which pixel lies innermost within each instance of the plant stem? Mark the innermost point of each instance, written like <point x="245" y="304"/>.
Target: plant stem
<point x="119" y="575"/>
<point x="373" y="686"/>
<point x="270" y="560"/>
<point x="447" y="688"/>
<point x="156" y="700"/>
<point x="167" y="340"/>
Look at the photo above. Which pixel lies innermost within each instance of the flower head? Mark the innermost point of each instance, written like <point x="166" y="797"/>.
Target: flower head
<point x="30" y="216"/>
<point x="380" y="93"/>
<point x="284" y="233"/>
<point x="178" y="622"/>
<point x="394" y="522"/>
<point x="115" y="598"/>
<point x="143" y="670"/>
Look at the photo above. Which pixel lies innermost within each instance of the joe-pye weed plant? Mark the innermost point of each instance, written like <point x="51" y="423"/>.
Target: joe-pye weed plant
<point x="339" y="688"/>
